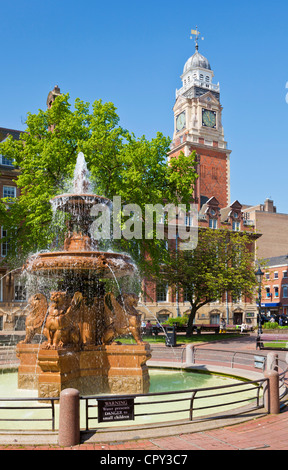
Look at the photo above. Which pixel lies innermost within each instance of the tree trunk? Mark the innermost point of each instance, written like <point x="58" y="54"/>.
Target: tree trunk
<point x="191" y="319"/>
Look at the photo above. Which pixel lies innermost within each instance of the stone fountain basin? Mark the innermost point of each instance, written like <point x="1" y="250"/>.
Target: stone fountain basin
<point x="105" y="264"/>
<point x="65" y="201"/>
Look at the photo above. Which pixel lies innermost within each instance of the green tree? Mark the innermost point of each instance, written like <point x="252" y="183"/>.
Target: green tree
<point x="120" y="165"/>
<point x="223" y="261"/>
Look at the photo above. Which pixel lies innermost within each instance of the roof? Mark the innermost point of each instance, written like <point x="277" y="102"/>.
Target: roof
<point x="4" y="132"/>
<point x="277" y="260"/>
<point x="195" y="61"/>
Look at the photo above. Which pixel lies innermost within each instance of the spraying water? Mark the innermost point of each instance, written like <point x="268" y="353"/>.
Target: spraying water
<point x="81" y="179"/>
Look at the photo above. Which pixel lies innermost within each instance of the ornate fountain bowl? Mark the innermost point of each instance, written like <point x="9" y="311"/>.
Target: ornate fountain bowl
<point x="103" y="264"/>
<point x="80" y="209"/>
<point x="71" y="202"/>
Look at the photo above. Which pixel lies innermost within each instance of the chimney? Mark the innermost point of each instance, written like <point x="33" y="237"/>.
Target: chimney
<point x="52" y="96"/>
<point x="269" y="206"/>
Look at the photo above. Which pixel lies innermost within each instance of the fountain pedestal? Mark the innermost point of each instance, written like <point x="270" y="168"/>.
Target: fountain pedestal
<point x="28" y="370"/>
<point x="110" y="369"/>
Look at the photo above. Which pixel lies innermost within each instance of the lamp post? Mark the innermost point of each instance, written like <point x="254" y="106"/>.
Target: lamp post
<point x="259" y="274"/>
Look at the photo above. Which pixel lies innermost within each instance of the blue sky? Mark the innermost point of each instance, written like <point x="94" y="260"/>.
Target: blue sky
<point x="133" y="53"/>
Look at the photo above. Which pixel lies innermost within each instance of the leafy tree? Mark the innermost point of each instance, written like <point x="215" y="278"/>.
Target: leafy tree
<point x="120" y="165"/>
<point x="223" y="261"/>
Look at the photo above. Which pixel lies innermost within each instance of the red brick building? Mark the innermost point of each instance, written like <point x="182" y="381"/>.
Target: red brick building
<point x="275" y="286"/>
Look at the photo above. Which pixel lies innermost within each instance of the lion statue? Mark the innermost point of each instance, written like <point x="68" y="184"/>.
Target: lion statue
<point x="37" y="310"/>
<point x="62" y="324"/>
<point x="121" y="317"/>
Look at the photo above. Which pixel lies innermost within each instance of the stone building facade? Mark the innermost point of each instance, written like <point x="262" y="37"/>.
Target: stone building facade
<point x="272" y="225"/>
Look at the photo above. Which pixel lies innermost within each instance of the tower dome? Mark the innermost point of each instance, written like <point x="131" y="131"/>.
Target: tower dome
<point x="197" y="77"/>
<point x="195" y="61"/>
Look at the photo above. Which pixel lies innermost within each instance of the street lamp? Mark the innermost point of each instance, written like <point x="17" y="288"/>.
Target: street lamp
<point x="259" y="274"/>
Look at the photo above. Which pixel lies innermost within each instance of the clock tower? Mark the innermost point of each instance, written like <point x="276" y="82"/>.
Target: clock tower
<point x="198" y="126"/>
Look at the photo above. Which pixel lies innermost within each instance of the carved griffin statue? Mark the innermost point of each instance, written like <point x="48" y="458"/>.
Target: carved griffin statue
<point x="62" y="324"/>
<point x="121" y="317"/>
<point x="37" y="310"/>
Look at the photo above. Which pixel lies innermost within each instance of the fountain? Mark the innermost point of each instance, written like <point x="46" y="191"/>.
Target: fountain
<point x="80" y="320"/>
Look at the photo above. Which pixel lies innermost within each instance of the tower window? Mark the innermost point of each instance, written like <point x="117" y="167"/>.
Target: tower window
<point x="207" y="78"/>
<point x="201" y="76"/>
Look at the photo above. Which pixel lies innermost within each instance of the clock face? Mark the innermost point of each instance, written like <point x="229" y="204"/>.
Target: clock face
<point x="208" y="118"/>
<point x="180" y="121"/>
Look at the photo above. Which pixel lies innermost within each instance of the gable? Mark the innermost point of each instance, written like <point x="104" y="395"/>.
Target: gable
<point x="208" y="98"/>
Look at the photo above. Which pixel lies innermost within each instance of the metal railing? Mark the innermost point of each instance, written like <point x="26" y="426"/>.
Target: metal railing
<point x="247" y="393"/>
<point x="190" y="402"/>
<point x="31" y="406"/>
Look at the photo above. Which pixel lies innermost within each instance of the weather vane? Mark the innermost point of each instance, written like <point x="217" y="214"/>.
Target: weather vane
<point x="196" y="33"/>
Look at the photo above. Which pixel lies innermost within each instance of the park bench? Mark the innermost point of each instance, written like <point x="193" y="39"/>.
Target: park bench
<point x="206" y="327"/>
<point x="272" y="341"/>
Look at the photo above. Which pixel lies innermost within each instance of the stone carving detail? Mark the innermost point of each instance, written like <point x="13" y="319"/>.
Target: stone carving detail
<point x="121" y="317"/>
<point x="65" y="320"/>
<point x="62" y="324"/>
<point x="38" y="307"/>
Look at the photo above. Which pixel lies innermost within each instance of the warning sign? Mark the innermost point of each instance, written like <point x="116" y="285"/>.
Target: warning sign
<point x="120" y="409"/>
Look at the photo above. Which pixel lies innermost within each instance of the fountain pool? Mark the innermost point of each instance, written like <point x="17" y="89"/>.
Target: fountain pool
<point x="160" y="381"/>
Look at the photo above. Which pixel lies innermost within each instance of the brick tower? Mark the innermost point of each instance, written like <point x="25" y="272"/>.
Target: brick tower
<point x="198" y="126"/>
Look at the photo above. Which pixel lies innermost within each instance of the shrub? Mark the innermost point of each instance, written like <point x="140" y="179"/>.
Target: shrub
<point x="270" y="325"/>
<point x="181" y="321"/>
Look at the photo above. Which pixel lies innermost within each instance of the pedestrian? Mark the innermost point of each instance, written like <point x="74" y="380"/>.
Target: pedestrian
<point x="222" y="326"/>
